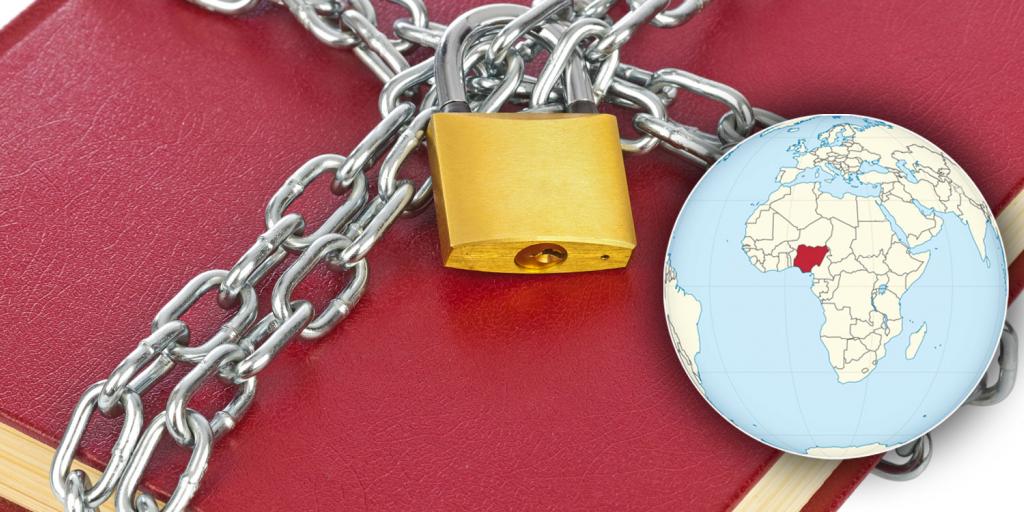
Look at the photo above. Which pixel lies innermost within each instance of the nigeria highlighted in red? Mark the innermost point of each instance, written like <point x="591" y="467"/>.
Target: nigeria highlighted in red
<point x="808" y="257"/>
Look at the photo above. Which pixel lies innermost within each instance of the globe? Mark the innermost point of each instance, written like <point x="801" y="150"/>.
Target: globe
<point x="835" y="286"/>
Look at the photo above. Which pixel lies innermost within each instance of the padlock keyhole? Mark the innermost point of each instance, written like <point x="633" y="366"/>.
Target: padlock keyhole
<point x="541" y="256"/>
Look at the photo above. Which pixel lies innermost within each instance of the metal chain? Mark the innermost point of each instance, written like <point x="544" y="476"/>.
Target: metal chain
<point x="494" y="75"/>
<point x="910" y="460"/>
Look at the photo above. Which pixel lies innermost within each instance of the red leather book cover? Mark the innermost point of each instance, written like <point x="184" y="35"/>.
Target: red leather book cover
<point x="140" y="143"/>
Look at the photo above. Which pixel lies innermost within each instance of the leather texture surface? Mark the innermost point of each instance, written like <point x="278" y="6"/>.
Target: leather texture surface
<point x="141" y="140"/>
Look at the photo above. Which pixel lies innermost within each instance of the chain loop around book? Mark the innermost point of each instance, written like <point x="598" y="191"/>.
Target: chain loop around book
<point x="494" y="75"/>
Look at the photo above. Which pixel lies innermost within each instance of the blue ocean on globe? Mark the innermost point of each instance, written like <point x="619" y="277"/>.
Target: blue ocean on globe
<point x="759" y="357"/>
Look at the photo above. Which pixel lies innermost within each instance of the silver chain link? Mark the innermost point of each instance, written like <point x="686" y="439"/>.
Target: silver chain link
<point x="494" y="75"/>
<point x="910" y="460"/>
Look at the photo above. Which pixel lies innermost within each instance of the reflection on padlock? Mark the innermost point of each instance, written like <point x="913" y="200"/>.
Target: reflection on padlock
<point x="525" y="192"/>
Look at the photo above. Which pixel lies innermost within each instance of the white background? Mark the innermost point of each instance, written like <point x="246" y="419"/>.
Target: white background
<point x="9" y="8"/>
<point x="977" y="456"/>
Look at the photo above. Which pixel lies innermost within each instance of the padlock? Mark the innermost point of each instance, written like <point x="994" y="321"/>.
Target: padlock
<point x="525" y="192"/>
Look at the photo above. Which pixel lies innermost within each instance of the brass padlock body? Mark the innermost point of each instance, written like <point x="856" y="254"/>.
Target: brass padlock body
<point x="530" y="192"/>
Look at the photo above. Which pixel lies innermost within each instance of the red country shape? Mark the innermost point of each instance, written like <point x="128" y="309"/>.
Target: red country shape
<point x="808" y="257"/>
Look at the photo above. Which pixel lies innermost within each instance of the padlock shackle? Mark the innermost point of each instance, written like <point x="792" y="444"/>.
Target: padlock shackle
<point x="451" y="87"/>
<point x="579" y="93"/>
<point x="448" y="62"/>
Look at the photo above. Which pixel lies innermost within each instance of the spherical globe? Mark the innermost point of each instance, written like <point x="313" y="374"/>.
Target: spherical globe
<point x="835" y="286"/>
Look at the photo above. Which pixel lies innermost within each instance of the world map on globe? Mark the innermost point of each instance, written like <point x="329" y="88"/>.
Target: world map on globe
<point x="835" y="286"/>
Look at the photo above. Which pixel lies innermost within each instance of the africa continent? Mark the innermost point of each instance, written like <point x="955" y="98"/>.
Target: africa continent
<point x="860" y="249"/>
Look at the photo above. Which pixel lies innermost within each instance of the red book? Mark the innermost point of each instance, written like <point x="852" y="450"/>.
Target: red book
<point x="141" y="141"/>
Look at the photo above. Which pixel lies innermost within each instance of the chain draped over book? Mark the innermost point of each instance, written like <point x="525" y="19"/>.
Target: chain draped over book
<point x="494" y="76"/>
